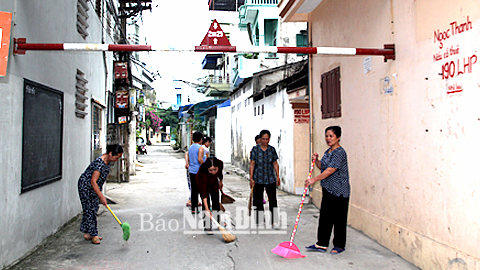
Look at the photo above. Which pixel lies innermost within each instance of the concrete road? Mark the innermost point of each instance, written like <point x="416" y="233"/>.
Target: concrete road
<point x="153" y="203"/>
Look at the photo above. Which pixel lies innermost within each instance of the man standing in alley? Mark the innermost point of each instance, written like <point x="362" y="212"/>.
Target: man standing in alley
<point x="264" y="175"/>
<point x="193" y="166"/>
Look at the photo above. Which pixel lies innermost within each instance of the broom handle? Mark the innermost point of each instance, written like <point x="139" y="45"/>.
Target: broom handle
<point x="215" y="222"/>
<point x="108" y="207"/>
<point x="301" y="204"/>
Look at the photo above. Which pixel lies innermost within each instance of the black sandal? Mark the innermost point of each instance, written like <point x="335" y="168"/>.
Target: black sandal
<point x="319" y="249"/>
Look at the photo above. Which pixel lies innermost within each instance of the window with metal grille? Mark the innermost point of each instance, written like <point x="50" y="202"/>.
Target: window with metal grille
<point x="331" y="99"/>
<point x="97" y="126"/>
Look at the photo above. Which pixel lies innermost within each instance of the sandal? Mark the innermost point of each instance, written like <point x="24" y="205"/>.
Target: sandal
<point x="315" y="248"/>
<point x="87" y="236"/>
<point x="337" y="250"/>
<point x="96" y="240"/>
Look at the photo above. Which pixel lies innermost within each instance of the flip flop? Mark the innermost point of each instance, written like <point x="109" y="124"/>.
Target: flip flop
<point x="88" y="238"/>
<point x="314" y="248"/>
<point x="96" y="240"/>
<point x="336" y="250"/>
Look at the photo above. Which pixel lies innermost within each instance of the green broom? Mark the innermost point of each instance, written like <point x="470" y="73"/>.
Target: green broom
<point x="125" y="226"/>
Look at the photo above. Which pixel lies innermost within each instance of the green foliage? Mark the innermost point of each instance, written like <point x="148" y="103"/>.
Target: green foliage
<point x="170" y="118"/>
<point x="251" y="55"/>
<point x="175" y="133"/>
<point x="198" y="124"/>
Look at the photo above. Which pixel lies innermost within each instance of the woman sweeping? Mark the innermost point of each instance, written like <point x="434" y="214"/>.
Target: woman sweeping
<point x="209" y="182"/>
<point x="335" y="193"/>
<point x="90" y="187"/>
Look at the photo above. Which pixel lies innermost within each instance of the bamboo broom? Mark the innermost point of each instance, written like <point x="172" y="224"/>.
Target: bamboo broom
<point x="250" y="202"/>
<point x="227" y="236"/>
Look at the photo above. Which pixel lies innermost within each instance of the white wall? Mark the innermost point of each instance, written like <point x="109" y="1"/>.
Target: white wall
<point x="28" y="218"/>
<point x="278" y="119"/>
<point x="244" y="127"/>
<point x="223" y="134"/>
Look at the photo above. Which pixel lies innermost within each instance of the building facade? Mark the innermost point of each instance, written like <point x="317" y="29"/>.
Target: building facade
<point x="410" y="125"/>
<point x="54" y="122"/>
<point x="267" y="101"/>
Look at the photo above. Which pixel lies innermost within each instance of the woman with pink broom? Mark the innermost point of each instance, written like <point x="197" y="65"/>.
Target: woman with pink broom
<point x="335" y="193"/>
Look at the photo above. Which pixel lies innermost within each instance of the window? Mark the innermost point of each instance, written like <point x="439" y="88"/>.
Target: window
<point x="331" y="99"/>
<point x="246" y="102"/>
<point x="254" y="111"/>
<point x="97" y="126"/>
<point x="302" y="40"/>
<point x="271" y="26"/>
<point x="263" y="109"/>
<point x="97" y="113"/>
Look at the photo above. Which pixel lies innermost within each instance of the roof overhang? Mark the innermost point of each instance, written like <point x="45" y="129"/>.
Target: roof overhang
<point x="212" y="61"/>
<point x="297" y="10"/>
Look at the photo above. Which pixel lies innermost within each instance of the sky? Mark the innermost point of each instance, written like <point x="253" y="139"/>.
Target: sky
<point x="181" y="24"/>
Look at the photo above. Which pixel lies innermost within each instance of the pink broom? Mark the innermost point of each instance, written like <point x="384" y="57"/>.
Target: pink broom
<point x="288" y="249"/>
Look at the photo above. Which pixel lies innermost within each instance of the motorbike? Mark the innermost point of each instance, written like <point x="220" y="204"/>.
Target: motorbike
<point x="141" y="146"/>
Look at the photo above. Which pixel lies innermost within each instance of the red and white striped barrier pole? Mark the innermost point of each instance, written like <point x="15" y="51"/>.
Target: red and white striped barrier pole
<point x="20" y="47"/>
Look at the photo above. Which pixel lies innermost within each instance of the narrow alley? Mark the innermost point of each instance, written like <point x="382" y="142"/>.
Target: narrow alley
<point x="153" y="203"/>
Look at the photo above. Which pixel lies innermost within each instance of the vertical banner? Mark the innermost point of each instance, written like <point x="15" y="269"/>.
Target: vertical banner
<point x="5" y="26"/>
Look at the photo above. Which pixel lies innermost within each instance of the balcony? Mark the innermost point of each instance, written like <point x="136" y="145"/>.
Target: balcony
<point x="245" y="68"/>
<point x="212" y="61"/>
<point x="261" y="2"/>
<point x="217" y="86"/>
<point x="249" y="11"/>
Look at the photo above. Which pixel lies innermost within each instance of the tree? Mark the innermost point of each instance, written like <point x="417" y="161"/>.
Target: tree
<point x="154" y="119"/>
<point x="170" y="118"/>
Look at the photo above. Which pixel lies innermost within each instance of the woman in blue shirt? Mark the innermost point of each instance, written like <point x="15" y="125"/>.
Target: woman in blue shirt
<point x="335" y="193"/>
<point x="264" y="175"/>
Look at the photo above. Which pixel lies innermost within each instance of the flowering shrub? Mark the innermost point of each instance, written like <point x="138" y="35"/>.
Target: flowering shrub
<point x="155" y="121"/>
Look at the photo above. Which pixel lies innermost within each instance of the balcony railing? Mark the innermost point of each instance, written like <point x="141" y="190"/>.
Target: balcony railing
<point x="218" y="79"/>
<point x="261" y="2"/>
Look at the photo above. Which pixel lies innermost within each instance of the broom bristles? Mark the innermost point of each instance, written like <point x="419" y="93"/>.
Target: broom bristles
<point x="126" y="231"/>
<point x="227" y="236"/>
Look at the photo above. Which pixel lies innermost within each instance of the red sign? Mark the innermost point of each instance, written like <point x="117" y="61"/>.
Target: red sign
<point x="215" y="36"/>
<point x="5" y="26"/>
<point x="121" y="99"/>
<point x="301" y="116"/>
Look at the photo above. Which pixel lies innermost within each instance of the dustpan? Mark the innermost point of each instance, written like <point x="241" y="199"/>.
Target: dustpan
<point x="288" y="249"/>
